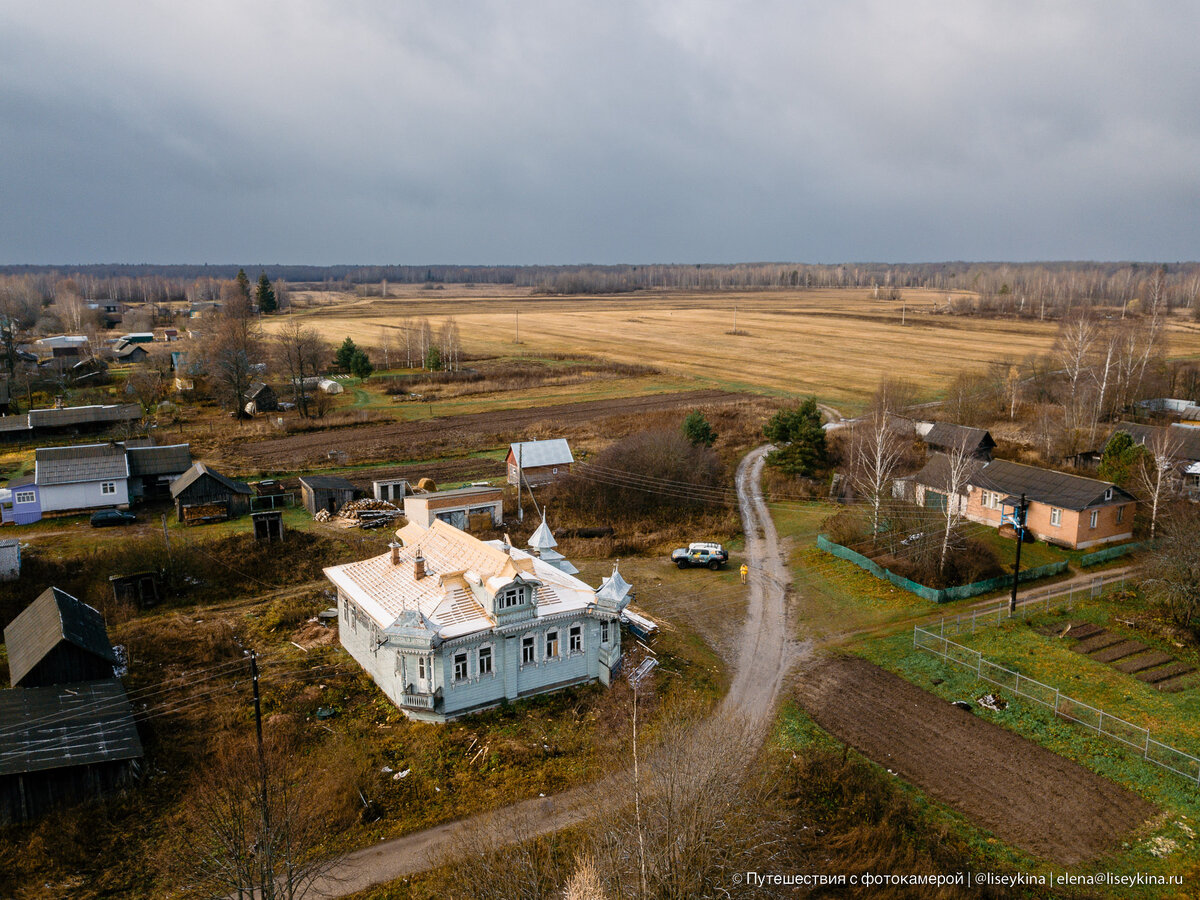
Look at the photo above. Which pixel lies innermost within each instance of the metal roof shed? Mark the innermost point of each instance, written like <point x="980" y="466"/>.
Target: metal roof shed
<point x="58" y="639"/>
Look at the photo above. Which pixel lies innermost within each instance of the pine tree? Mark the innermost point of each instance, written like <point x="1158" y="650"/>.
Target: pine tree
<point x="345" y="354"/>
<point x="266" y="294"/>
<point x="360" y="365"/>
<point x="698" y="430"/>
<point x="243" y="284"/>
<point x="798" y="431"/>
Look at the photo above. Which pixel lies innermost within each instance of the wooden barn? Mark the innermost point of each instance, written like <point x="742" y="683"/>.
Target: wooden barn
<point x="203" y="495"/>
<point x="261" y="398"/>
<point x="539" y="462"/>
<point x="327" y="492"/>
<point x="58" y="639"/>
<point x="64" y="744"/>
<point x="153" y="469"/>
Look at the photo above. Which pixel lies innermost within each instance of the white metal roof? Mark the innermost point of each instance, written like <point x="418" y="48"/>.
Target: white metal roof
<point x="462" y="573"/>
<point x="555" y="452"/>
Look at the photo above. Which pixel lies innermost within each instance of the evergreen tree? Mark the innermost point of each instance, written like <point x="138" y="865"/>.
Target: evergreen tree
<point x="266" y="294"/>
<point x="360" y="365"/>
<point x="433" y="359"/>
<point x="800" y="439"/>
<point x="345" y="354"/>
<point x="697" y="430"/>
<point x="243" y="284"/>
<point x="1120" y="458"/>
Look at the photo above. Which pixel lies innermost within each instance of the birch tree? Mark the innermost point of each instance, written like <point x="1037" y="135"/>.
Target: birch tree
<point x="1154" y="474"/>
<point x="876" y="454"/>
<point x="958" y="470"/>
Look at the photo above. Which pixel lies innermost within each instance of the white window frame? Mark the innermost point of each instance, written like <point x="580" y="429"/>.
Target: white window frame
<point x="575" y="638"/>
<point x="528" y="643"/>
<point x="108" y="487"/>
<point x="1108" y="495"/>
<point x="1055" y="516"/>
<point x="604" y="632"/>
<point x="552" y="644"/>
<point x="485" y="661"/>
<point x="1095" y="519"/>
<point x="25" y="497"/>
<point x="1120" y="514"/>
<point x="462" y="666"/>
<point x="510" y="597"/>
<point x="422" y="670"/>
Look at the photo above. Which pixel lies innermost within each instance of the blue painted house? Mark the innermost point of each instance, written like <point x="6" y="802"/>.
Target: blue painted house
<point x="447" y="624"/>
<point x="20" y="502"/>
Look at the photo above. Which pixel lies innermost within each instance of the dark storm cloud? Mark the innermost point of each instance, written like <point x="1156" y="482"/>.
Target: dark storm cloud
<point x="563" y="132"/>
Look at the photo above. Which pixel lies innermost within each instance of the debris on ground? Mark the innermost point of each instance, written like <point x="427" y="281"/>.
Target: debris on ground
<point x="992" y="702"/>
<point x="962" y="704"/>
<point x="322" y="515"/>
<point x="369" y="509"/>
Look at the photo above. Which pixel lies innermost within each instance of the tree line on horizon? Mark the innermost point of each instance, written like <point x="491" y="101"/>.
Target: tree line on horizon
<point x="1031" y="290"/>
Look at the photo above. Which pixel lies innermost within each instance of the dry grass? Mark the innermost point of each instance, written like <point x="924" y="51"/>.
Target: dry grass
<point x="837" y="344"/>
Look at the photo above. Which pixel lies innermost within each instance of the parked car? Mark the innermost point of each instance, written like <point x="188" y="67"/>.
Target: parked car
<point x="702" y="553"/>
<point x="104" y="517"/>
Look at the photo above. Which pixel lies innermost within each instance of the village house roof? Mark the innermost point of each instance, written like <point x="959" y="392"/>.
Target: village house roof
<point x="257" y="388"/>
<point x="55" y="616"/>
<point x="1185" y="439"/>
<point x="198" y="471"/>
<point x="169" y="460"/>
<point x="1048" y="486"/>
<point x="124" y="351"/>
<point x="461" y="574"/>
<point x="936" y="473"/>
<point x="615" y="588"/>
<point x="533" y="454"/>
<point x="66" y="725"/>
<point x="86" y="462"/>
<point x="84" y="415"/>
<point x="948" y="436"/>
<point x="327" y="483"/>
<point x="542" y="543"/>
<point x="459" y="492"/>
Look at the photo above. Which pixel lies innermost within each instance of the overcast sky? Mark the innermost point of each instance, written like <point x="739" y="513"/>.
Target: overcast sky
<point x="319" y="132"/>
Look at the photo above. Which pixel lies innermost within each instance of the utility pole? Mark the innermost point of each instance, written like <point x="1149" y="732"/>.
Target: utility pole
<point x="1020" y="526"/>
<point x="520" y="477"/>
<point x="268" y="878"/>
<point x="166" y="539"/>
<point x="734" y="321"/>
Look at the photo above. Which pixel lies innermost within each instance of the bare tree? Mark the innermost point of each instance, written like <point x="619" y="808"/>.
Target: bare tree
<point x="234" y="846"/>
<point x="876" y="451"/>
<point x="959" y="464"/>
<point x="233" y="352"/>
<point x="300" y="351"/>
<point x="1172" y="573"/>
<point x="1154" y="473"/>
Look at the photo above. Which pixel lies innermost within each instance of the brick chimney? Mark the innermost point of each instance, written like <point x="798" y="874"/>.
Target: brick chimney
<point x="395" y="548"/>
<point x="419" y="566"/>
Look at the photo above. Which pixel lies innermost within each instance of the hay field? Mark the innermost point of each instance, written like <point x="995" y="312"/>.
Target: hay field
<point x="836" y="344"/>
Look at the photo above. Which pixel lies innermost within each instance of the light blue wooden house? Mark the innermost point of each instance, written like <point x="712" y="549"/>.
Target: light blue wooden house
<point x="447" y="624"/>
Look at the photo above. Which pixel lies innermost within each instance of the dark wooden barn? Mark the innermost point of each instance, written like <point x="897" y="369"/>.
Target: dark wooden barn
<point x="64" y="744"/>
<point x="327" y="492"/>
<point x="203" y="495"/>
<point x="152" y="469"/>
<point x="57" y="640"/>
<point x="261" y="398"/>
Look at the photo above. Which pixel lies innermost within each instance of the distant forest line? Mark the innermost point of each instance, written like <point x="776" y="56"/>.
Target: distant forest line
<point x="1001" y="288"/>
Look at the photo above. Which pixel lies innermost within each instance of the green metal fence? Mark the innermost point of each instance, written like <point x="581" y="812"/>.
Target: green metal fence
<point x="1102" y="556"/>
<point x="936" y="595"/>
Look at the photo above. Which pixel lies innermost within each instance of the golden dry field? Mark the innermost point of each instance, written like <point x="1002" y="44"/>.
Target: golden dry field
<point x="836" y="344"/>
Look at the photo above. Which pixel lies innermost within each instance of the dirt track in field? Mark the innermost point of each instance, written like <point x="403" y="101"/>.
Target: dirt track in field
<point x="1027" y="796"/>
<point x="446" y="435"/>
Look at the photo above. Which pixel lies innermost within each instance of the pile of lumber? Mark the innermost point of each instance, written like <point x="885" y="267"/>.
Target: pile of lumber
<point x="368" y="512"/>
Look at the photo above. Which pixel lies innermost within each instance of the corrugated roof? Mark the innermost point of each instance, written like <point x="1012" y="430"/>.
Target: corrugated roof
<point x="1185" y="438"/>
<point x="84" y="415"/>
<point x="66" y="725"/>
<point x="15" y="423"/>
<point x="256" y="388"/>
<point x="173" y="459"/>
<point x="951" y="437"/>
<point x="55" y="616"/>
<point x="936" y="473"/>
<point x="555" y="452"/>
<point x="82" y="463"/>
<point x="199" y="470"/>
<point x="458" y="492"/>
<point x="327" y="483"/>
<point x="1047" y="486"/>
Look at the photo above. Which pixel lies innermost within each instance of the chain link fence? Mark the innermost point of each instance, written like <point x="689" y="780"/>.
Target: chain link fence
<point x="1052" y="597"/>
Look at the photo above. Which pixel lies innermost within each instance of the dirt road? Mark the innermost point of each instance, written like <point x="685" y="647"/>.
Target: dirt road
<point x="429" y="438"/>
<point x="765" y="652"/>
<point x="1026" y="795"/>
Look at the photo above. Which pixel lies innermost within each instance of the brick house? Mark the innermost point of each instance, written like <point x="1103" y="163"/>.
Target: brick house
<point x="1067" y="510"/>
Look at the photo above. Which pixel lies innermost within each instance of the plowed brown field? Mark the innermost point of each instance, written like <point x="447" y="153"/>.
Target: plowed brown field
<point x="450" y="435"/>
<point x="1027" y="796"/>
